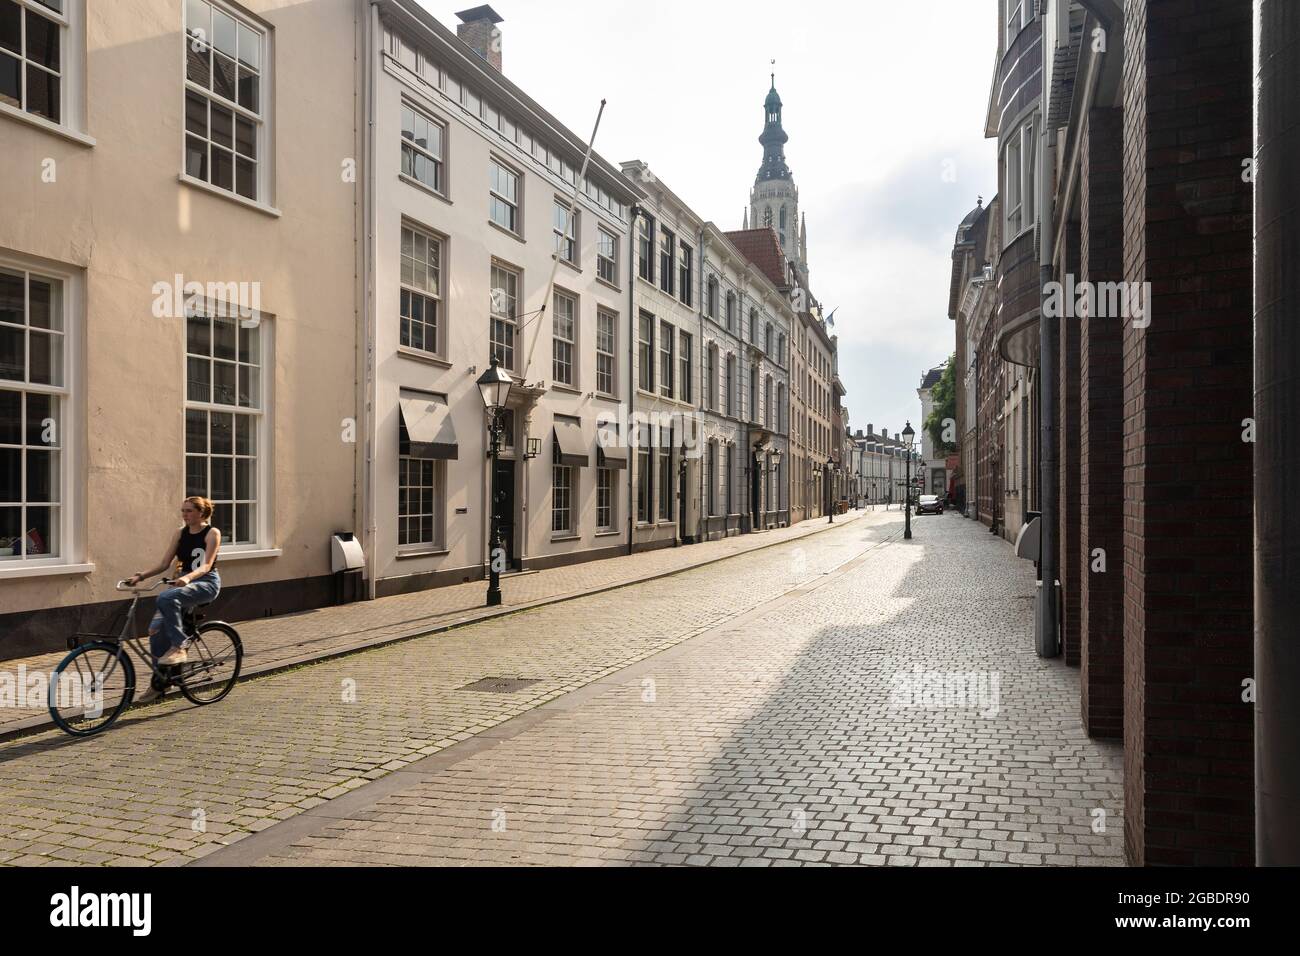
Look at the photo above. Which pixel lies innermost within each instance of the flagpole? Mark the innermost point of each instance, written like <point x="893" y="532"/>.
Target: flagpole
<point x="555" y="256"/>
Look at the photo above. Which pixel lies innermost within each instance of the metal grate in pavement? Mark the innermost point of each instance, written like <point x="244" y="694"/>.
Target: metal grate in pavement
<point x="501" y="685"/>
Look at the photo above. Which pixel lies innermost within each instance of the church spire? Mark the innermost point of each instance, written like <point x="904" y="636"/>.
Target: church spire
<point x="773" y="139"/>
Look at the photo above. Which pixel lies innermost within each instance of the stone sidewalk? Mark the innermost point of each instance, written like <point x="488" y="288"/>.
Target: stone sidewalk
<point x="277" y="643"/>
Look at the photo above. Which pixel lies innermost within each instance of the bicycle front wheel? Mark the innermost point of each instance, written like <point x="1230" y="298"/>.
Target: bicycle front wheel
<point x="90" y="688"/>
<point x="215" y="656"/>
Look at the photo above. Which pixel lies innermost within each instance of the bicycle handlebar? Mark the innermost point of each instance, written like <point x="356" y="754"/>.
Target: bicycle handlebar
<point x="123" y="586"/>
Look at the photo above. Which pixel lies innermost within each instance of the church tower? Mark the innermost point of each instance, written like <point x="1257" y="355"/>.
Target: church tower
<point x="774" y="200"/>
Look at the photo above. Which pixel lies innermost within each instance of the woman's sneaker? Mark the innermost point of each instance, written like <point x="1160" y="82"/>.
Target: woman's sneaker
<point x="174" y="656"/>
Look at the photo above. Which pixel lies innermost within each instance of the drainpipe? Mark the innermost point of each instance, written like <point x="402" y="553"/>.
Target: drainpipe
<point x="1048" y="332"/>
<point x="633" y="458"/>
<point x="370" y="386"/>
<point x="700" y="517"/>
<point x="1277" y="443"/>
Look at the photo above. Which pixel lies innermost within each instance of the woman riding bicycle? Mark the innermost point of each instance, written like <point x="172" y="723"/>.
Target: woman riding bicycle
<point x="193" y="550"/>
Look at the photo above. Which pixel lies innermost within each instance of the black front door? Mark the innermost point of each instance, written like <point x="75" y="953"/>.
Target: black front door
<point x="756" y="492"/>
<point x="504" y="482"/>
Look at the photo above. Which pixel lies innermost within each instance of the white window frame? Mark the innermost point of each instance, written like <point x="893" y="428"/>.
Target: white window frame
<point x="646" y="355"/>
<point x="711" y="378"/>
<point x="570" y="488"/>
<point x="438" y="297"/>
<point x="565" y="240"/>
<point x="607" y="350"/>
<point x="1019" y="158"/>
<point x="646" y="248"/>
<point x="1017" y="11"/>
<point x="667" y="358"/>
<point x="262" y="120"/>
<point x="516" y="204"/>
<point x="711" y="481"/>
<point x="564" y="350"/>
<point x="264" y="472"/>
<point x="686" y="363"/>
<point x="664" y="452"/>
<point x="606" y="264"/>
<point x="438" y="469"/>
<point x="70" y="556"/>
<point x="438" y="158"/>
<point x="607" y="488"/>
<point x="508" y="316"/>
<point x="667" y="261"/>
<point x="71" y="23"/>
<point x="685" y="273"/>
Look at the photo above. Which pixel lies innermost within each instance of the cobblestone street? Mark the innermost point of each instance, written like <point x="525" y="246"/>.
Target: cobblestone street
<point x="764" y="709"/>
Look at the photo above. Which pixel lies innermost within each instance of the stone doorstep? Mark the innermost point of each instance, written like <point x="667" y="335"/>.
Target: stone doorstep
<point x="39" y="723"/>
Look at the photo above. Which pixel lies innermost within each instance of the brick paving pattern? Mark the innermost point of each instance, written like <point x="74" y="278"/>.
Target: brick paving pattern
<point x="171" y="782"/>
<point x="772" y="740"/>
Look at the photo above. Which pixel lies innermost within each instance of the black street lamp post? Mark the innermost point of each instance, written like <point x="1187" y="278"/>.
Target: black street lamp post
<point x="908" y="435"/>
<point x="494" y="386"/>
<point x="830" y="503"/>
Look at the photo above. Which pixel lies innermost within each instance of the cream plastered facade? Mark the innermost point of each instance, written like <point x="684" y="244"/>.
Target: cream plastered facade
<point x="107" y="204"/>
<point x="666" y="401"/>
<point x="416" y="64"/>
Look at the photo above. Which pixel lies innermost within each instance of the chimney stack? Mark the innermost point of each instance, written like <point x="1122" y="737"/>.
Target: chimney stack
<point x="871" y="429"/>
<point x="479" y="31"/>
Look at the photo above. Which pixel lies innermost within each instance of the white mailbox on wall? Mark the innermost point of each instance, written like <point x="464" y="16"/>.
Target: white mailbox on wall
<point x="346" y="553"/>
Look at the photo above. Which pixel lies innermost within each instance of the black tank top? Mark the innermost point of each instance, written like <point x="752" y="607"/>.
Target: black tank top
<point x="191" y="550"/>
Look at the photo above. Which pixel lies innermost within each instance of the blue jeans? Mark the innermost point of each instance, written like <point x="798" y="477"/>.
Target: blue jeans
<point x="166" y="630"/>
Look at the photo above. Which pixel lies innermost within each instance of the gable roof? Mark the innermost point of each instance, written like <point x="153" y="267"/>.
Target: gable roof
<point x="763" y="248"/>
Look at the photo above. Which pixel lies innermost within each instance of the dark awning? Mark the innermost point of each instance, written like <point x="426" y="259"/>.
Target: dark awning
<point x="429" y="428"/>
<point x="614" y="456"/>
<point x="569" y="448"/>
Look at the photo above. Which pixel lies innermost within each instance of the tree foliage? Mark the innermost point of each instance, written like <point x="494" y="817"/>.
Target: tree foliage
<point x="944" y="409"/>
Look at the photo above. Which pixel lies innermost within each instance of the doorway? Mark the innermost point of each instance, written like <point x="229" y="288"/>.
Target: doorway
<point x="756" y="492"/>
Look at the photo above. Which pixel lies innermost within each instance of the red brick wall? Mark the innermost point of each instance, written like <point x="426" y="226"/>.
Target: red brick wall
<point x="1101" y="460"/>
<point x="1189" y="782"/>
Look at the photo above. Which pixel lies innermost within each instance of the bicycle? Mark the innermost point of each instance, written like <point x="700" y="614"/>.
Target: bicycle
<point x="104" y="682"/>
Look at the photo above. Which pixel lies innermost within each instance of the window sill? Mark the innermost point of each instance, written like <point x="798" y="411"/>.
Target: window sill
<point x="229" y="196"/>
<point x="556" y="538"/>
<point x="608" y="534"/>
<point x="434" y="553"/>
<point x="569" y="389"/>
<point x="572" y="267"/>
<point x="424" y="187"/>
<point x="46" y="125"/>
<point x="606" y="397"/>
<point x="416" y="355"/>
<point x="502" y="229"/>
<point x="249" y="554"/>
<point x="609" y="285"/>
<point x="43" y="570"/>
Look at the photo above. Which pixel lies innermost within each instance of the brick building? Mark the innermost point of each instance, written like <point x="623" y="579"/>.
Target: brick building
<point x="1131" y="121"/>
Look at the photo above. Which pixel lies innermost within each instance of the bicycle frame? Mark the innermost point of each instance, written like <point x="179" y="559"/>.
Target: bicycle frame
<point x="127" y="637"/>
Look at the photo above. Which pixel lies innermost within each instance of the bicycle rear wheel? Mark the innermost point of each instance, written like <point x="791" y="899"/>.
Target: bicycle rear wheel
<point x="215" y="656"/>
<point x="90" y="688"/>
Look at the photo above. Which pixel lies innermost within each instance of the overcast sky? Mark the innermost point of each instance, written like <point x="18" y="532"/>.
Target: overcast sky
<point x="880" y="100"/>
